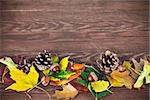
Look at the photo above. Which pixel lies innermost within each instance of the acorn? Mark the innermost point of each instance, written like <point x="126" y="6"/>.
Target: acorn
<point x="43" y="60"/>
<point x="121" y="68"/>
<point x="45" y="80"/>
<point x="92" y="77"/>
<point x="70" y="67"/>
<point x="107" y="62"/>
<point x="55" y="68"/>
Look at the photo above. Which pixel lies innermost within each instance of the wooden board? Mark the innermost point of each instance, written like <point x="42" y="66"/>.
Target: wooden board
<point x="80" y="28"/>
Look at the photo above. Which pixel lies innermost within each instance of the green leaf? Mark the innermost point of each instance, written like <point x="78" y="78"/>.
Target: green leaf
<point x="55" y="60"/>
<point x="102" y="94"/>
<point x="61" y="75"/>
<point x="64" y="63"/>
<point x="90" y="89"/>
<point x="8" y="61"/>
<point x="93" y="69"/>
<point x="84" y="83"/>
<point x="144" y="74"/>
<point x="84" y="75"/>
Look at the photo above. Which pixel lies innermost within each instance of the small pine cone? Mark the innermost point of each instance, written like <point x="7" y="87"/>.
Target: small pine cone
<point x="25" y="67"/>
<point x="43" y="60"/>
<point x="107" y="62"/>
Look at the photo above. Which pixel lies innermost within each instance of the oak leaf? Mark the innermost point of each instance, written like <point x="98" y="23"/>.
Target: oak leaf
<point x="67" y="93"/>
<point x="119" y="79"/>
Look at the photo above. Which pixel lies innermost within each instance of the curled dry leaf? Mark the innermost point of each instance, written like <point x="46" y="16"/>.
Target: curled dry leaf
<point x="138" y="67"/>
<point x="118" y="79"/>
<point x="67" y="93"/>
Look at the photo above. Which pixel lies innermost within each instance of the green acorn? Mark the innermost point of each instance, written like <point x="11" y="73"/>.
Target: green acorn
<point x="107" y="62"/>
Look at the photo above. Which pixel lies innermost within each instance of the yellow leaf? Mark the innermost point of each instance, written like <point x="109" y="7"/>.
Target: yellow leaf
<point x="67" y="93"/>
<point x="53" y="78"/>
<point x="123" y="78"/>
<point x="100" y="86"/>
<point x="64" y="63"/>
<point x="115" y="83"/>
<point x="23" y="81"/>
<point x="46" y="71"/>
<point x="127" y="64"/>
<point x="19" y="86"/>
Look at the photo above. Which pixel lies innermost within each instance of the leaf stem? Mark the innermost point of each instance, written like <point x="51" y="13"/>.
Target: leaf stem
<point x="29" y="96"/>
<point x="44" y="91"/>
<point x="34" y="86"/>
<point x="135" y="71"/>
<point x="109" y="91"/>
<point x="96" y="98"/>
<point x="4" y="73"/>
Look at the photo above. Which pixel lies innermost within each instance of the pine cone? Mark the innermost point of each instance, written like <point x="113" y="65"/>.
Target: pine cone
<point x="43" y="60"/>
<point x="25" y="67"/>
<point x="107" y="62"/>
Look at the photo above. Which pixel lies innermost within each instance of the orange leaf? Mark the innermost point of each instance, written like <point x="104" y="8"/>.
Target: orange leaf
<point x="78" y="66"/>
<point x="61" y="82"/>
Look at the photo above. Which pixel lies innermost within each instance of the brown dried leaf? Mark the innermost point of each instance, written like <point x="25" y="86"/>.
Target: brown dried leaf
<point x="138" y="67"/>
<point x="67" y="93"/>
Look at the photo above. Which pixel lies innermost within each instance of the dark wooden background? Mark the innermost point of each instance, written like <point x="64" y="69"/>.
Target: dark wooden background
<point x="80" y="28"/>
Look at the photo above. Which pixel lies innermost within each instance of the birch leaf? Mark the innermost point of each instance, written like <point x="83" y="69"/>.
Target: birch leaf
<point x="100" y="86"/>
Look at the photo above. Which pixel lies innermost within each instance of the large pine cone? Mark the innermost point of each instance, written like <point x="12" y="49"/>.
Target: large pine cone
<point x="43" y="60"/>
<point x="107" y="62"/>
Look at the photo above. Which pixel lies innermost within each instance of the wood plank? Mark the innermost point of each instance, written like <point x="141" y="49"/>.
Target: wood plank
<point x="79" y="28"/>
<point x="114" y="25"/>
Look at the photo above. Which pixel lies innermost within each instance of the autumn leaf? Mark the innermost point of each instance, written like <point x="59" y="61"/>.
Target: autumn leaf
<point x="119" y="79"/>
<point x="23" y="81"/>
<point x="138" y="65"/>
<point x="55" y="60"/>
<point x="57" y="82"/>
<point x="68" y="92"/>
<point x="114" y="82"/>
<point x="64" y="63"/>
<point x="144" y="74"/>
<point x="128" y="66"/>
<point x="100" y="86"/>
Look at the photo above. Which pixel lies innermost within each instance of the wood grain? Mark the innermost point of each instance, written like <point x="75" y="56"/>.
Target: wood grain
<point x="79" y="28"/>
<point x="79" y="25"/>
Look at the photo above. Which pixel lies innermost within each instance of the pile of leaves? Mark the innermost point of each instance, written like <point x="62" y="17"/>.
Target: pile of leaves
<point x="22" y="75"/>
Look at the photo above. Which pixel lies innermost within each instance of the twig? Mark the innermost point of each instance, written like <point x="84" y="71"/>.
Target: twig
<point x="44" y="91"/>
<point x="29" y="96"/>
